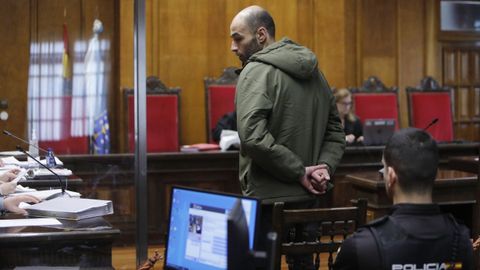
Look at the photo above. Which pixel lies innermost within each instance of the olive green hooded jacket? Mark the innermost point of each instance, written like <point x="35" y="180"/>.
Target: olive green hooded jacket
<point x="287" y="120"/>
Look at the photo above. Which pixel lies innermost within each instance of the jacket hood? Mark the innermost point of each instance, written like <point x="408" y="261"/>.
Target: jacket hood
<point x="293" y="59"/>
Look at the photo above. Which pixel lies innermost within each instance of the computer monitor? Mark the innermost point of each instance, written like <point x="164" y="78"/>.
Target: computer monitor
<point x="197" y="231"/>
<point x="378" y="131"/>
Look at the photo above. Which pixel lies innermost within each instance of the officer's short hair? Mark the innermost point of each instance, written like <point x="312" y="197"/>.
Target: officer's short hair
<point x="413" y="153"/>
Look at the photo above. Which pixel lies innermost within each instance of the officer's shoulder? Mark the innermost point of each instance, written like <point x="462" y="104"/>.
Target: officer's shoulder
<point x="377" y="222"/>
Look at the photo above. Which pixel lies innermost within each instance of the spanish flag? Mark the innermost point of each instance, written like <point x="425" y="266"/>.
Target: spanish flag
<point x="67" y="72"/>
<point x="66" y="116"/>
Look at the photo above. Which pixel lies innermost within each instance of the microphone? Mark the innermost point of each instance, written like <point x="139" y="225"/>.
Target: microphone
<point x="62" y="185"/>
<point x="8" y="133"/>
<point x="434" y="121"/>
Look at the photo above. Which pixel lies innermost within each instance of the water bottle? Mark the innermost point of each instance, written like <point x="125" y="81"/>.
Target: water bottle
<point x="50" y="159"/>
<point x="33" y="148"/>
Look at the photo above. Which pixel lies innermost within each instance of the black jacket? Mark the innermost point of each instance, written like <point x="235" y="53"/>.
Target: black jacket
<point x="413" y="234"/>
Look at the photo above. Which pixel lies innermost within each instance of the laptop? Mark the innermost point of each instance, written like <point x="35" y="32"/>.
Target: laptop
<point x="377" y="131"/>
<point x="197" y="229"/>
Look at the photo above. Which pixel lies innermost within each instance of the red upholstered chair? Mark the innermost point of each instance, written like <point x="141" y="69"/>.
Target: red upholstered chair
<point x="162" y="119"/>
<point x="427" y="105"/>
<point x="220" y="98"/>
<point x="375" y="101"/>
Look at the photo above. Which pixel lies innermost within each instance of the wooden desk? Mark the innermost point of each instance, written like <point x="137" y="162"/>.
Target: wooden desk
<point x="455" y="191"/>
<point x="75" y="244"/>
<point x="466" y="164"/>
<point x="73" y="182"/>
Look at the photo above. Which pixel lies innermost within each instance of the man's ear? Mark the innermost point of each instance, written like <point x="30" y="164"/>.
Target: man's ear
<point x="392" y="177"/>
<point x="262" y="35"/>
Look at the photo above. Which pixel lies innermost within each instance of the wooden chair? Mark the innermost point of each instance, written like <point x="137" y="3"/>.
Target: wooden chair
<point x="375" y="101"/>
<point x="219" y="98"/>
<point x="334" y="225"/>
<point x="427" y="102"/>
<point x="163" y="107"/>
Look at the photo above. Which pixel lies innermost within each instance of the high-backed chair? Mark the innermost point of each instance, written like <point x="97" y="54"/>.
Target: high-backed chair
<point x="219" y="98"/>
<point x="428" y="102"/>
<point x="334" y="225"/>
<point x="375" y="101"/>
<point x="162" y="117"/>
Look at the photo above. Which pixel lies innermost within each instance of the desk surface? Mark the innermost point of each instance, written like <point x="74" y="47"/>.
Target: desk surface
<point x="374" y="179"/>
<point x="465" y="163"/>
<point x="84" y="243"/>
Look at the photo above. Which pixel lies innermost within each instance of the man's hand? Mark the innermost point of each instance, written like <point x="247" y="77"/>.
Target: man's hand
<point x="9" y="175"/>
<point x="306" y="179"/>
<point x="476" y="244"/>
<point x="350" y="138"/>
<point x="7" y="188"/>
<point x="11" y="203"/>
<point x="320" y="178"/>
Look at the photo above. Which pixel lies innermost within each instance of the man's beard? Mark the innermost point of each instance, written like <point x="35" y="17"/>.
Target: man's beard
<point x="251" y="49"/>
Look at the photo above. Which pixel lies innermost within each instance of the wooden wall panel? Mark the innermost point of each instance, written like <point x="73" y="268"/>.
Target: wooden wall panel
<point x="189" y="40"/>
<point x="14" y="55"/>
<point x="330" y="40"/>
<point x="411" y="50"/>
<point x="378" y="40"/>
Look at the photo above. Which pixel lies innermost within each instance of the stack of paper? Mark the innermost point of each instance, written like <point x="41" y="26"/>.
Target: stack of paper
<point x="71" y="208"/>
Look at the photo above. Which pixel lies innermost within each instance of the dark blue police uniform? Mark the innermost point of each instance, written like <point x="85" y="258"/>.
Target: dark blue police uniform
<point x="413" y="236"/>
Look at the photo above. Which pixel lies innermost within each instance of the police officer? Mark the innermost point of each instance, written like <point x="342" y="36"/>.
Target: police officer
<point x="415" y="235"/>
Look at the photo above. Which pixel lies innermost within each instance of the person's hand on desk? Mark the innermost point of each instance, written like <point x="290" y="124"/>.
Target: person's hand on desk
<point x="6" y="186"/>
<point x="9" y="175"/>
<point x="11" y="203"/>
<point x="350" y="138"/>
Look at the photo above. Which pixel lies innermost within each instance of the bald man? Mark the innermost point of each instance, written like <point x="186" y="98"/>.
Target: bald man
<point x="291" y="136"/>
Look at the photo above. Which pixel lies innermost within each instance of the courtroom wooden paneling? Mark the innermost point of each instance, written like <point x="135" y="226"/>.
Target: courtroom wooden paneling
<point x="352" y="39"/>
<point x="397" y="41"/>
<point x="14" y="54"/>
<point x="461" y="65"/>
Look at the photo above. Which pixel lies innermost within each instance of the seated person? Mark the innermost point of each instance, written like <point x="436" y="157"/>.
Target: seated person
<point x="415" y="234"/>
<point x="11" y="203"/>
<point x="228" y="122"/>
<point x="351" y="123"/>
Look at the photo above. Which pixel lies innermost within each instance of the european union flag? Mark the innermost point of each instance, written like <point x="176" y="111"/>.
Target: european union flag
<point x="101" y="134"/>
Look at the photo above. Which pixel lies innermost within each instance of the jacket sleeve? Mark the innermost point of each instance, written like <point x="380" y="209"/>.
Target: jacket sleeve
<point x="253" y="108"/>
<point x="334" y="139"/>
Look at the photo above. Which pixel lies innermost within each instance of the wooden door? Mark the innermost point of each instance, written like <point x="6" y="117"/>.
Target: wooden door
<point x="461" y="71"/>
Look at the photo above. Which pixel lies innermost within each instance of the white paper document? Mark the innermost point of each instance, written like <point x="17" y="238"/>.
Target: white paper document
<point x="29" y="222"/>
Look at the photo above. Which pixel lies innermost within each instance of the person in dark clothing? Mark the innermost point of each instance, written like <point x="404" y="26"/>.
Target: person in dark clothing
<point x="415" y="235"/>
<point x="351" y="123"/>
<point x="228" y="122"/>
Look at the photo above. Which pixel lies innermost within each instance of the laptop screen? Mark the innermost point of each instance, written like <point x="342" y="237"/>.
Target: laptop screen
<point x="378" y="131"/>
<point x="197" y="233"/>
